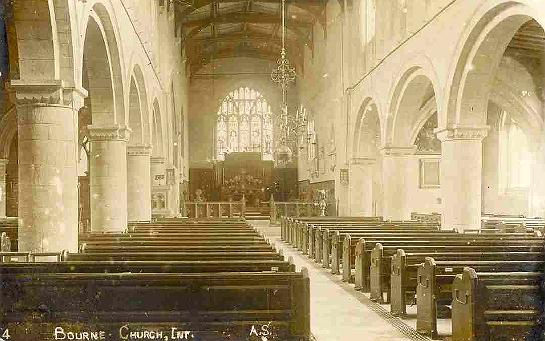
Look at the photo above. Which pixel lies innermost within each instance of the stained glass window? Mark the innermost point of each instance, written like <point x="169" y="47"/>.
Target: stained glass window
<point x="244" y="124"/>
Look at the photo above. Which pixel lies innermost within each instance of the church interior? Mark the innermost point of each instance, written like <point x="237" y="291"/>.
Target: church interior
<point x="291" y="170"/>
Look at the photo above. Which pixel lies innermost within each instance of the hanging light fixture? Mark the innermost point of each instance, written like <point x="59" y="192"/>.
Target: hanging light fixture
<point x="290" y="125"/>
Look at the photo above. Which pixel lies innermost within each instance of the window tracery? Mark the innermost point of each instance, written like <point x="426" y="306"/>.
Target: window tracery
<point x="244" y="124"/>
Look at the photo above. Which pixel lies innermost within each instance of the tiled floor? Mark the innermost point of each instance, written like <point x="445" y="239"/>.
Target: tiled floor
<point x="338" y="313"/>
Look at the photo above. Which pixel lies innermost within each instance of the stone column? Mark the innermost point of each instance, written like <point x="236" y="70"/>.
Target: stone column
<point x="461" y="176"/>
<point x="395" y="181"/>
<point x="361" y="187"/>
<point x="48" y="178"/>
<point x="3" y="165"/>
<point x="108" y="178"/>
<point x="138" y="183"/>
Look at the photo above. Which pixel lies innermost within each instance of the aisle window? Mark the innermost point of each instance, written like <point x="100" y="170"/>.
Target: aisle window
<point x="515" y="161"/>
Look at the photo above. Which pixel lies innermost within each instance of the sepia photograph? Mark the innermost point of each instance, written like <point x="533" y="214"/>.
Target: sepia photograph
<point x="272" y="170"/>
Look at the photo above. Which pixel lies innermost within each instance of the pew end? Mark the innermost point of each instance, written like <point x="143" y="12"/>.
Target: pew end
<point x="425" y="297"/>
<point x="375" y="274"/>
<point x="398" y="284"/>
<point x="463" y="305"/>
<point x="346" y="261"/>
<point x="361" y="267"/>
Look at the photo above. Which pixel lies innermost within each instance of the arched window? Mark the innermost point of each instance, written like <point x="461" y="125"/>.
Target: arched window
<point x="515" y="161"/>
<point x="244" y="124"/>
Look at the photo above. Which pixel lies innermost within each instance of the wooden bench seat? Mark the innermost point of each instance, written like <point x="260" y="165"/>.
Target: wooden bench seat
<point x="325" y="240"/>
<point x="173" y="248"/>
<point x="302" y="231"/>
<point x="399" y="272"/>
<point x="435" y="278"/>
<point x="158" y="256"/>
<point x="211" y="304"/>
<point x="188" y="266"/>
<point x="350" y="245"/>
<point x="339" y="240"/>
<point x="497" y="306"/>
<point x="361" y="261"/>
<point x="323" y="235"/>
<point x="291" y="225"/>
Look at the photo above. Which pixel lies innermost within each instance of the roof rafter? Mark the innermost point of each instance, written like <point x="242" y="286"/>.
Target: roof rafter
<point x="293" y="25"/>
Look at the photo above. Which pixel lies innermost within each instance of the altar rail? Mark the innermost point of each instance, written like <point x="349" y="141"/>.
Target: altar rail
<point x="280" y="209"/>
<point x="214" y="209"/>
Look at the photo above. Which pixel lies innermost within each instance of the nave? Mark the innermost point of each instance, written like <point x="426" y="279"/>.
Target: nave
<point x="396" y="147"/>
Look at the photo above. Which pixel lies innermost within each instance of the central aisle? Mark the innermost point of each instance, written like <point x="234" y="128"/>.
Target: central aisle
<point x="338" y="312"/>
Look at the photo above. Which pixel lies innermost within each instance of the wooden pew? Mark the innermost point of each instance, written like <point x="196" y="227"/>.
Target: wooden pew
<point x="380" y="261"/>
<point x="301" y="232"/>
<point x="324" y="237"/>
<point x="288" y="230"/>
<point x="363" y="249"/>
<point x="497" y="306"/>
<point x="343" y="243"/>
<point x="210" y="304"/>
<point x="305" y="233"/>
<point x="214" y="282"/>
<point x="185" y="266"/>
<point x="403" y="267"/>
<point x="165" y="256"/>
<point x="435" y="280"/>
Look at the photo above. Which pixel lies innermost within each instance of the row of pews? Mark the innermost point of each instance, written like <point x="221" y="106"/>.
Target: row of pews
<point x="489" y="284"/>
<point x="171" y="280"/>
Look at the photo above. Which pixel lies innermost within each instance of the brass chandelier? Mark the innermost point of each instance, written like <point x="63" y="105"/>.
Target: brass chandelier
<point x="290" y="125"/>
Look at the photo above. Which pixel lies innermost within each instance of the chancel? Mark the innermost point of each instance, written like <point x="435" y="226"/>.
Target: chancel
<point x="272" y="170"/>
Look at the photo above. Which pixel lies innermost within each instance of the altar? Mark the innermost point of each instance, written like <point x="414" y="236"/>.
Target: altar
<point x="244" y="174"/>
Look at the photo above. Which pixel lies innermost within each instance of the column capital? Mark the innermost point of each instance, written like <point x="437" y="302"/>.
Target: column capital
<point x="362" y="161"/>
<point x="116" y="133"/>
<point x="389" y="150"/>
<point x="48" y="92"/>
<point x="139" y="150"/>
<point x="458" y="132"/>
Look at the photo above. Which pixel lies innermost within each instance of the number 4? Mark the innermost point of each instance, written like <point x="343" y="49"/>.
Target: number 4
<point x="5" y="334"/>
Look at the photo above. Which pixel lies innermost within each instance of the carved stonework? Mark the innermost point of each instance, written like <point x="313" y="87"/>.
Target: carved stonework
<point x="139" y="150"/>
<point x="462" y="133"/>
<point x="54" y="92"/>
<point x="118" y="133"/>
